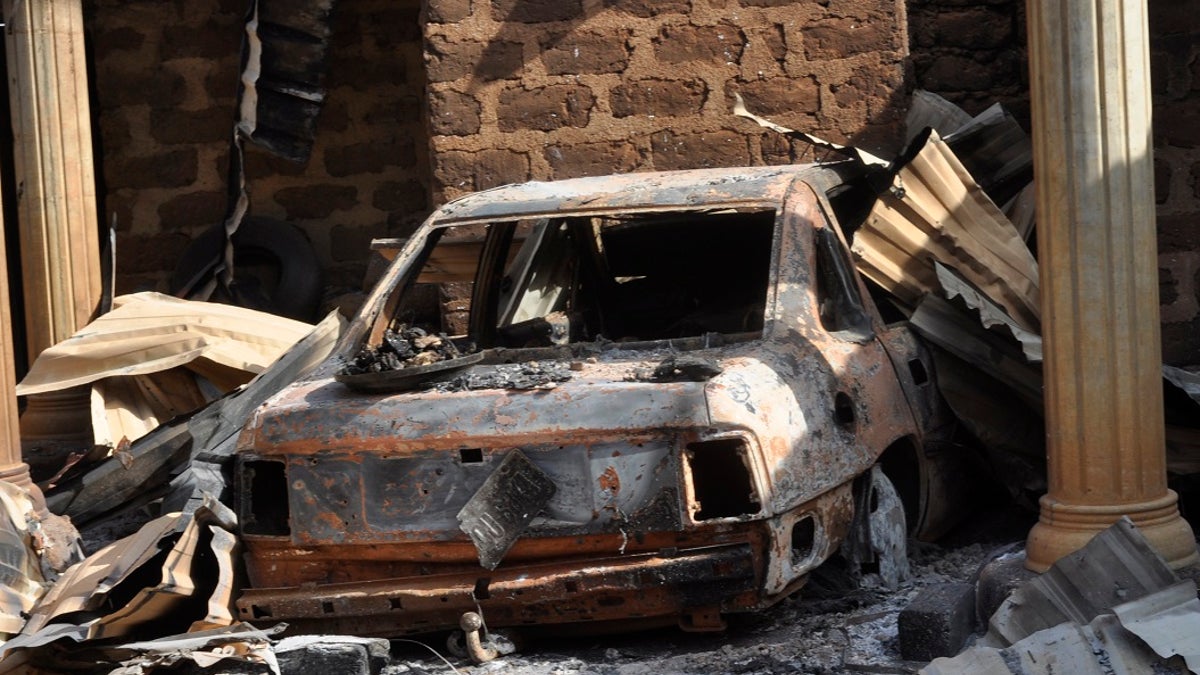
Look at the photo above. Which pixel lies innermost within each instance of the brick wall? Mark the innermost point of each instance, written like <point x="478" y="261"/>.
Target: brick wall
<point x="551" y="89"/>
<point x="369" y="172"/>
<point x="166" y="75"/>
<point x="516" y="90"/>
<point x="1175" y="78"/>
<point x="972" y="52"/>
<point x="165" y="78"/>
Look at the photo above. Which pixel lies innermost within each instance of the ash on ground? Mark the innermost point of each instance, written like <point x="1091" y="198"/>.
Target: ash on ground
<point x="819" y="630"/>
<point x="528" y="375"/>
<point x="405" y="347"/>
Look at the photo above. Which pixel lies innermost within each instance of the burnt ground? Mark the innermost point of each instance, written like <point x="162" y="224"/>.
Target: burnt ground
<point x="816" y="631"/>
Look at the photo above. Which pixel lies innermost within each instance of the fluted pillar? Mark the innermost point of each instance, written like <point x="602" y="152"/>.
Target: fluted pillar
<point x="12" y="467"/>
<point x="60" y="250"/>
<point x="1090" y="89"/>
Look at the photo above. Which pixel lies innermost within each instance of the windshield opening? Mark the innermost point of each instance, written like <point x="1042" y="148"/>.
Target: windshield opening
<point x="554" y="281"/>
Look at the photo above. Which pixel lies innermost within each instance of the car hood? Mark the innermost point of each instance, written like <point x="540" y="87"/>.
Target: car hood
<point x="326" y="415"/>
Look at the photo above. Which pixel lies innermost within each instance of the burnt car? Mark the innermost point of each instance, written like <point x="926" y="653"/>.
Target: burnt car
<point x="659" y="398"/>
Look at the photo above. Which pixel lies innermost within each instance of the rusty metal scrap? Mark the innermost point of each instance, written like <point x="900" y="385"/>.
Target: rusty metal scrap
<point x="507" y="502"/>
<point x="181" y="556"/>
<point x="23" y="582"/>
<point x="942" y="214"/>
<point x="155" y="357"/>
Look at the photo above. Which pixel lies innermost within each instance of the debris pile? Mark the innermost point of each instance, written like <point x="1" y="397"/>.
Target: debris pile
<point x="171" y="382"/>
<point x="404" y="347"/>
<point x="518" y="376"/>
<point x="1112" y="606"/>
<point x="678" y="368"/>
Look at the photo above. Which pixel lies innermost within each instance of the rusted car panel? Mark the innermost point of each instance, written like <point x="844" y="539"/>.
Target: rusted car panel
<point x="679" y="492"/>
<point x="608" y="589"/>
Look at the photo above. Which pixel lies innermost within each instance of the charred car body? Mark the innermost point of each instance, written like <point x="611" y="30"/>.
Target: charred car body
<point x="664" y="404"/>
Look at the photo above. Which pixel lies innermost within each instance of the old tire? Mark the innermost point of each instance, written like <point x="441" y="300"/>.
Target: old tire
<point x="275" y="268"/>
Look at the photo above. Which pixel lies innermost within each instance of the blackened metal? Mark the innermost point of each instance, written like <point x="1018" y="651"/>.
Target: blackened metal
<point x="504" y="506"/>
<point x="294" y="39"/>
<point x="680" y="368"/>
<point x="531" y="375"/>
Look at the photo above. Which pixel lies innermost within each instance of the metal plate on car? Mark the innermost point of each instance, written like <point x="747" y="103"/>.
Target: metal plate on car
<point x="504" y="506"/>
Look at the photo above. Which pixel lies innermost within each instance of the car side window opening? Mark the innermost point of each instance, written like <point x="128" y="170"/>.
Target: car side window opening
<point x="839" y="302"/>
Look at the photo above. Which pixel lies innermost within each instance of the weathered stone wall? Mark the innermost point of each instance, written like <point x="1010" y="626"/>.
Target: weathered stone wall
<point x="166" y="75"/>
<point x="550" y="89"/>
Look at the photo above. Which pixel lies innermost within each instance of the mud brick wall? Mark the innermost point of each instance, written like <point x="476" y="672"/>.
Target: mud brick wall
<point x="166" y="74"/>
<point x="548" y="89"/>
<point x="1175" y="78"/>
<point x="369" y="172"/>
<point x="972" y="52"/>
<point x="430" y="100"/>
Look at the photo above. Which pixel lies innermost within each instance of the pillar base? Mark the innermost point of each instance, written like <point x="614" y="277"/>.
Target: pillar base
<point x="18" y="474"/>
<point x="64" y="416"/>
<point x="1065" y="528"/>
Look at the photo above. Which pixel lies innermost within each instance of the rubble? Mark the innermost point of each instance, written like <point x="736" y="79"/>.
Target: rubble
<point x="154" y="574"/>
<point x="518" y="376"/>
<point x="403" y="347"/>
<point x="678" y="368"/>
<point x="169" y="456"/>
<point x="739" y="429"/>
<point x="332" y="654"/>
<point x="1083" y="614"/>
<point x="239" y="647"/>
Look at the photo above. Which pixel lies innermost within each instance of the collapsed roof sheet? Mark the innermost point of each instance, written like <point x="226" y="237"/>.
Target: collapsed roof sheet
<point x="150" y="332"/>
<point x="940" y="213"/>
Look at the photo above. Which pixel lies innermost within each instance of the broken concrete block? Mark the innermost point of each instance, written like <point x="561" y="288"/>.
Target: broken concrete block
<point x="342" y="654"/>
<point x="998" y="578"/>
<point x="938" y="621"/>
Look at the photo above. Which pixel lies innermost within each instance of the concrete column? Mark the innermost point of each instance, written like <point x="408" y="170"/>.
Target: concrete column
<point x="12" y="468"/>
<point x="60" y="250"/>
<point x="1090" y="88"/>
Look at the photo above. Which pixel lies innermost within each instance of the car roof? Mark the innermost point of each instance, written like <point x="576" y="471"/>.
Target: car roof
<point x="668" y="190"/>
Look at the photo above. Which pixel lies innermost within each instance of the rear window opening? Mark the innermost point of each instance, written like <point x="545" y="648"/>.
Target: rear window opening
<point x="627" y="278"/>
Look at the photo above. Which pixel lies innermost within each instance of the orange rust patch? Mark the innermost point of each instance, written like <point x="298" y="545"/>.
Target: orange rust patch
<point x="610" y="481"/>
